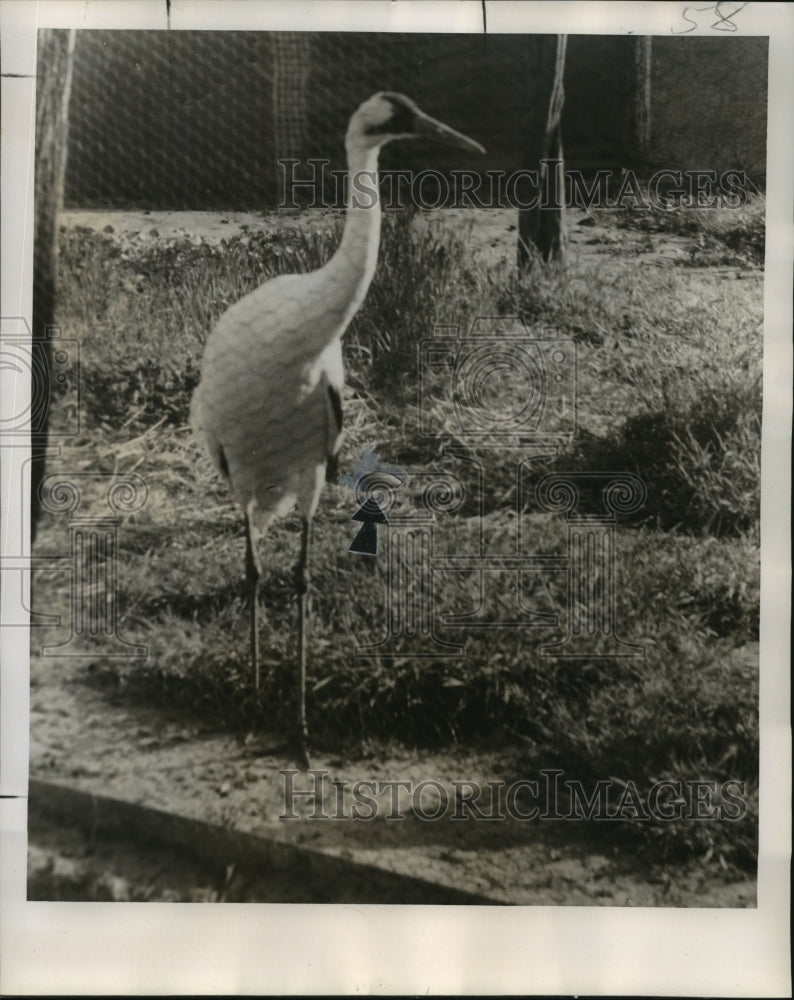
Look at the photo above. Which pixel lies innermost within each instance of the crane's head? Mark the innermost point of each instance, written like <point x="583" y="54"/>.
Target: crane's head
<point x="387" y="116"/>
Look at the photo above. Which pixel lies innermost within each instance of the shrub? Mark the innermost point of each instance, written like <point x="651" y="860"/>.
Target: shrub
<point x="698" y="455"/>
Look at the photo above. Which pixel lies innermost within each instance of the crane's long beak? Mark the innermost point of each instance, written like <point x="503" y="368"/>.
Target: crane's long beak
<point x="428" y="127"/>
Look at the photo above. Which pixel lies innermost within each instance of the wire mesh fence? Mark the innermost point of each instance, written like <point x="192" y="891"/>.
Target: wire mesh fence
<point x="200" y="119"/>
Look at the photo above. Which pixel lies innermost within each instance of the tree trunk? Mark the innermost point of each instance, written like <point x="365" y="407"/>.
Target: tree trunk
<point x="53" y="85"/>
<point x="541" y="228"/>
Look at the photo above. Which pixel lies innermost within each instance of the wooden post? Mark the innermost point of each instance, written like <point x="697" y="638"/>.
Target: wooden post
<point x="541" y="228"/>
<point x="53" y="86"/>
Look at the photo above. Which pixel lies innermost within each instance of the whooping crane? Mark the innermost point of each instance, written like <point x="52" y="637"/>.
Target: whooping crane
<point x="268" y="408"/>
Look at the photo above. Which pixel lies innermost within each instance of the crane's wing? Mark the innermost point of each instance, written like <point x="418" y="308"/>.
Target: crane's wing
<point x="333" y="429"/>
<point x="204" y="435"/>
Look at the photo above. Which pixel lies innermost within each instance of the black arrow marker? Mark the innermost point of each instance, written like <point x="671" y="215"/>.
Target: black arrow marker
<point x="366" y="541"/>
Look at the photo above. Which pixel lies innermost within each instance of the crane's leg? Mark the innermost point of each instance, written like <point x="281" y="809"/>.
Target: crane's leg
<point x="302" y="588"/>
<point x="252" y="575"/>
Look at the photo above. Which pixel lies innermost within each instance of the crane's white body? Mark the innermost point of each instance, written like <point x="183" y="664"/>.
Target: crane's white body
<point x="263" y="408"/>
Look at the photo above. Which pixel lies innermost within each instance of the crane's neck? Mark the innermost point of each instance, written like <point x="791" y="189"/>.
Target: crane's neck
<point x="350" y="270"/>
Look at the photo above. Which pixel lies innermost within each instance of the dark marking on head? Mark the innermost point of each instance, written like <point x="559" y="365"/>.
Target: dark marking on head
<point x="402" y="119"/>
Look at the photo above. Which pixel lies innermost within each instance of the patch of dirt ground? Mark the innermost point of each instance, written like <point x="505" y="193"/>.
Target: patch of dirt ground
<point x="88" y="738"/>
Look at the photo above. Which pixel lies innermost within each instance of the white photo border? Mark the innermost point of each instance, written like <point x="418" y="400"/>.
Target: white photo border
<point x="119" y="948"/>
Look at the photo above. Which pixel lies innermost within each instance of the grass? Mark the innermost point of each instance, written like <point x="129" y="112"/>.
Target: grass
<point x="697" y="452"/>
<point x="721" y="235"/>
<point x="668" y="388"/>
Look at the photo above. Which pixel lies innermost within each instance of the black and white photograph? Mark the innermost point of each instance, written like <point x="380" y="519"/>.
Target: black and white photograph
<point x="387" y="524"/>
